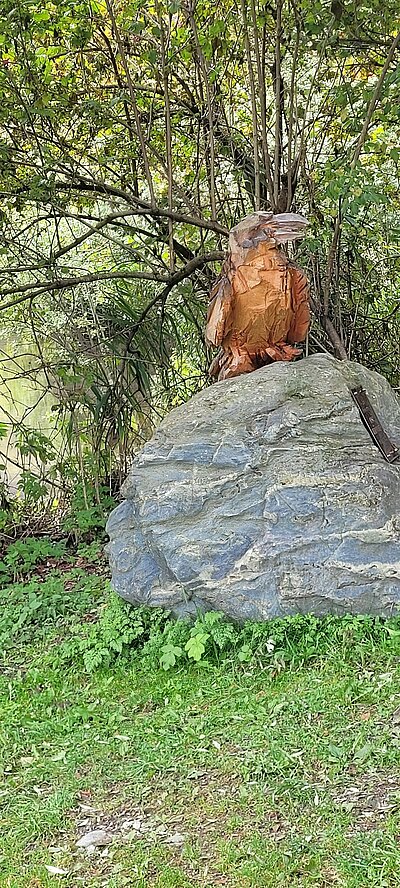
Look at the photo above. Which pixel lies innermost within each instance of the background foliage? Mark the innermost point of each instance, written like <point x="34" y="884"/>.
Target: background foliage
<point x="132" y="137"/>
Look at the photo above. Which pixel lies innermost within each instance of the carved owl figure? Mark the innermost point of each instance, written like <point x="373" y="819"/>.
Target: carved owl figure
<point x="259" y="305"/>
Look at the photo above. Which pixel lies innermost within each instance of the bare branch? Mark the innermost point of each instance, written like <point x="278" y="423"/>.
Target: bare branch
<point x="168" y="137"/>
<point x="374" y="100"/>
<point x="257" y="190"/>
<point x="134" y="103"/>
<point x="209" y="96"/>
<point x="278" y="102"/>
<point x="68" y="283"/>
<point x="263" y="102"/>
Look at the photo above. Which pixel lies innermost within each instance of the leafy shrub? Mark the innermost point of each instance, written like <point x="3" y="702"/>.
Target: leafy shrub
<point x="23" y="555"/>
<point x="29" y="610"/>
<point x="119" y="630"/>
<point x="29" y="604"/>
<point x="91" y="551"/>
<point x="123" y="631"/>
<point x="34" y="606"/>
<point x="41" y="606"/>
<point x="304" y="637"/>
<point x="87" y="516"/>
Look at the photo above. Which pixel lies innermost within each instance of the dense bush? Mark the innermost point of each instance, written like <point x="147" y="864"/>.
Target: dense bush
<point x="85" y="623"/>
<point x="137" y="140"/>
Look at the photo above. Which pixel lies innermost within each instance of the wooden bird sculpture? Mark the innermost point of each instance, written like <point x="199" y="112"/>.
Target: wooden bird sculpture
<point x="259" y="306"/>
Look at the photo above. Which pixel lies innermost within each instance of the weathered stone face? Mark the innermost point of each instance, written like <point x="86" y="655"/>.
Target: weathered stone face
<point x="265" y="496"/>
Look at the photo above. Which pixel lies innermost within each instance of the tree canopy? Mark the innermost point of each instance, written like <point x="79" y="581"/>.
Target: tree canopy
<point x="133" y="136"/>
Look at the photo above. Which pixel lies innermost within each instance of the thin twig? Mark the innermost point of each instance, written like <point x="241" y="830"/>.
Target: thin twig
<point x="257" y="189"/>
<point x="133" y="101"/>
<point x="67" y="283"/>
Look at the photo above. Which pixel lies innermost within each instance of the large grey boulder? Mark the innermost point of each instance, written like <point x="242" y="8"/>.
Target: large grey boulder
<point x="265" y="496"/>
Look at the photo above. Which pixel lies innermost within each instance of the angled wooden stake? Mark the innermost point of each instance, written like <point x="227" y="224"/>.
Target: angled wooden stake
<point x="374" y="426"/>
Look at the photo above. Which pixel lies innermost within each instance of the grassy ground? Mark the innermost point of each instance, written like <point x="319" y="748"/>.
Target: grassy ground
<point x="203" y="776"/>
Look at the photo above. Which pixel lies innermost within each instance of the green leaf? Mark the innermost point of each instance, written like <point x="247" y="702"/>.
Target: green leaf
<point x="336" y="752"/>
<point x="361" y="755"/>
<point x="196" y="645"/>
<point x="170" y="654"/>
<point x="43" y="16"/>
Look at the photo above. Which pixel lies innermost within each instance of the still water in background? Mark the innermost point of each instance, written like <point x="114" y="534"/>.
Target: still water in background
<point x="22" y="399"/>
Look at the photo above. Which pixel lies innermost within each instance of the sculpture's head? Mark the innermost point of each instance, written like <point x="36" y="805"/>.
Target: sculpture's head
<point x="260" y="227"/>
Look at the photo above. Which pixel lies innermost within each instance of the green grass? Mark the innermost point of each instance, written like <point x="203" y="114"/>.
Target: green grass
<point x="205" y="775"/>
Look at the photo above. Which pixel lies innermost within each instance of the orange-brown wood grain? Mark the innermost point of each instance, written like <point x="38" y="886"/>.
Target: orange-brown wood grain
<point x="259" y="307"/>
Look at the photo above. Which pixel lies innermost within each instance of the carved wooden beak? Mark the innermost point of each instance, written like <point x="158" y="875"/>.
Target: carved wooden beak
<point x="285" y="227"/>
<point x="281" y="228"/>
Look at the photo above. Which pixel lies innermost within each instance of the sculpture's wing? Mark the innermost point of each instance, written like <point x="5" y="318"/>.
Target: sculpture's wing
<point x="219" y="309"/>
<point x="300" y="291"/>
